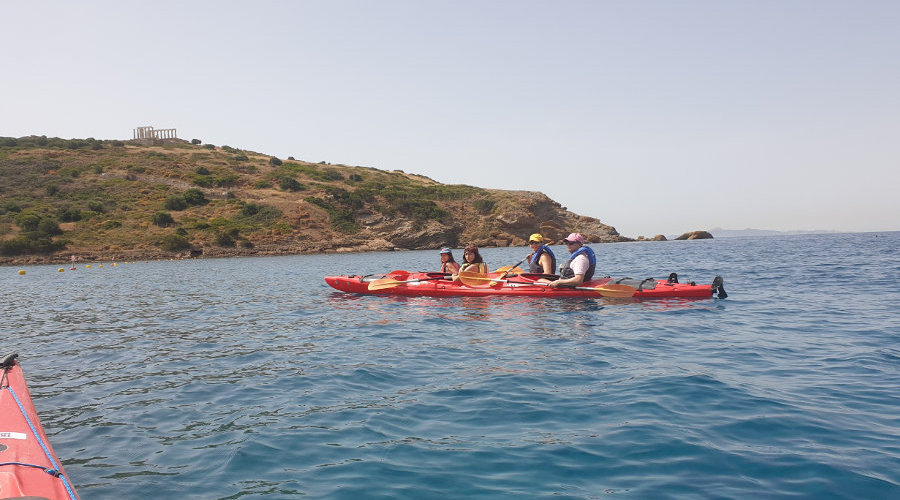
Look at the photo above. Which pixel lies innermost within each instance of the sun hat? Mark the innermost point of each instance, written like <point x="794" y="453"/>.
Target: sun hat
<point x="573" y="238"/>
<point x="536" y="237"/>
<point x="445" y="250"/>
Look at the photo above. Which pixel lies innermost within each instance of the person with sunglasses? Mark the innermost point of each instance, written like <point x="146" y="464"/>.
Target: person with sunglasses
<point x="472" y="262"/>
<point x="541" y="260"/>
<point x="580" y="266"/>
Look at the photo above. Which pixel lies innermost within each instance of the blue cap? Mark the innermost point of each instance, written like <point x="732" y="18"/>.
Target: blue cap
<point x="445" y="250"/>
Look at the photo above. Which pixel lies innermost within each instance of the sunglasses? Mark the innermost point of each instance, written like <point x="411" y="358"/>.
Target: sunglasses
<point x="534" y="242"/>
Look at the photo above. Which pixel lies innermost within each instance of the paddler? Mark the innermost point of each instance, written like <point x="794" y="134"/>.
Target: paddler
<point x="472" y="262"/>
<point x="448" y="264"/>
<point x="579" y="267"/>
<point x="541" y="259"/>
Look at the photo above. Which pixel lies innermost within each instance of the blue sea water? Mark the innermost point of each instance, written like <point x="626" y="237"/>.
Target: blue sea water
<point x="251" y="378"/>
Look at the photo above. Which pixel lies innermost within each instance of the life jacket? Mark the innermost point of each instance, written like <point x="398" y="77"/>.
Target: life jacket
<point x="566" y="272"/>
<point x="474" y="267"/>
<point x="534" y="265"/>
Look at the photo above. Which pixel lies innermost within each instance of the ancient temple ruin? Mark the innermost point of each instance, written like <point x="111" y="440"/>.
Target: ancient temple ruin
<point x="155" y="133"/>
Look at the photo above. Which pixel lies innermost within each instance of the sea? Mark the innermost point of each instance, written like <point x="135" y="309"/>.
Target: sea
<point x="251" y="378"/>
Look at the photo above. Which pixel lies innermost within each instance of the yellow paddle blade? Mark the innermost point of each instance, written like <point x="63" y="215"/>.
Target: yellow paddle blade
<point x="613" y="290"/>
<point x="470" y="278"/>
<point x="384" y="283"/>
<point x="509" y="270"/>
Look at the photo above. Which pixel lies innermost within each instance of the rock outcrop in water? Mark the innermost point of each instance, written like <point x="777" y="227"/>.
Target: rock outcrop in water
<point x="695" y="235"/>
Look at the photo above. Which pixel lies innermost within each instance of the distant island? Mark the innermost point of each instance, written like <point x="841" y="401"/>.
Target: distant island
<point x="729" y="233"/>
<point x="150" y="198"/>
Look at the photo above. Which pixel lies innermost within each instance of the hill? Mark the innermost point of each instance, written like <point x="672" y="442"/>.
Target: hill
<point x="117" y="200"/>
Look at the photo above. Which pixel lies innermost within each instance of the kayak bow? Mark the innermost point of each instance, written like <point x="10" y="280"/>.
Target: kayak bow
<point x="28" y="466"/>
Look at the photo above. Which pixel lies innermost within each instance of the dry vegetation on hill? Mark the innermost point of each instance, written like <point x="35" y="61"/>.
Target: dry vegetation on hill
<point x="115" y="200"/>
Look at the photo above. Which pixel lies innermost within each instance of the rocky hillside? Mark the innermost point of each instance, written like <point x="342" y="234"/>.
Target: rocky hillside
<point x="114" y="200"/>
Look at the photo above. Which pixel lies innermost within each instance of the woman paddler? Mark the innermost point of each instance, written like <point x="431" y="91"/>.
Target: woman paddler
<point x="541" y="260"/>
<point x="472" y="262"/>
<point x="448" y="265"/>
<point x="580" y="266"/>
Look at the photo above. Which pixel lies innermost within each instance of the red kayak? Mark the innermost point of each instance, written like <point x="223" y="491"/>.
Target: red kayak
<point x="521" y="285"/>
<point x="28" y="466"/>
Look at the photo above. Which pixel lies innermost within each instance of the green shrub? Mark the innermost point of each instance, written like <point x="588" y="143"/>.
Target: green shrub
<point x="118" y="144"/>
<point x="15" y="246"/>
<point x="175" y="202"/>
<point x="28" y="221"/>
<point x="49" y="227"/>
<point x="262" y="184"/>
<point x="181" y="231"/>
<point x="240" y="157"/>
<point x="483" y="206"/>
<point x="175" y="243"/>
<point x="274" y="161"/>
<point x="224" y="240"/>
<point x="332" y="175"/>
<point x="162" y="219"/>
<point x="209" y="146"/>
<point x="202" y="180"/>
<point x="195" y="141"/>
<point x="355" y="178"/>
<point x="110" y="224"/>
<point x="291" y="184"/>
<point x="201" y="170"/>
<point x="250" y="209"/>
<point x="30" y="243"/>
<point x="52" y="189"/>
<point x="195" y="197"/>
<point x="260" y="213"/>
<point x="96" y="206"/>
<point x="225" y="180"/>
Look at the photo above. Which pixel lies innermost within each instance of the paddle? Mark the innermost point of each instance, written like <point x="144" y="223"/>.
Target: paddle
<point x="612" y="290"/>
<point x="383" y="283"/>
<point x="510" y="269"/>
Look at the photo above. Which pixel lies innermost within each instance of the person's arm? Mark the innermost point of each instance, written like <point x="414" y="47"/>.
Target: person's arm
<point x="546" y="264"/>
<point x="579" y="266"/>
<point x="573" y="281"/>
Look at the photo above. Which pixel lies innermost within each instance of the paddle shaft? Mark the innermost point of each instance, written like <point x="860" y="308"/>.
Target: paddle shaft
<point x="517" y="264"/>
<point x="390" y="283"/>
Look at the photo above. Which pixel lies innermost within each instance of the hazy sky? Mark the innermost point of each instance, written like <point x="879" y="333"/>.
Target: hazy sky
<point x="653" y="116"/>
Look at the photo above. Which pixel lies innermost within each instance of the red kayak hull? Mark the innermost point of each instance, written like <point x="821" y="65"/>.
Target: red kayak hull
<point x="434" y="286"/>
<point x="25" y="452"/>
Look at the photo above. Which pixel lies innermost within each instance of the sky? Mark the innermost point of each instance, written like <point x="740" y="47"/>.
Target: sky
<point x="654" y="116"/>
